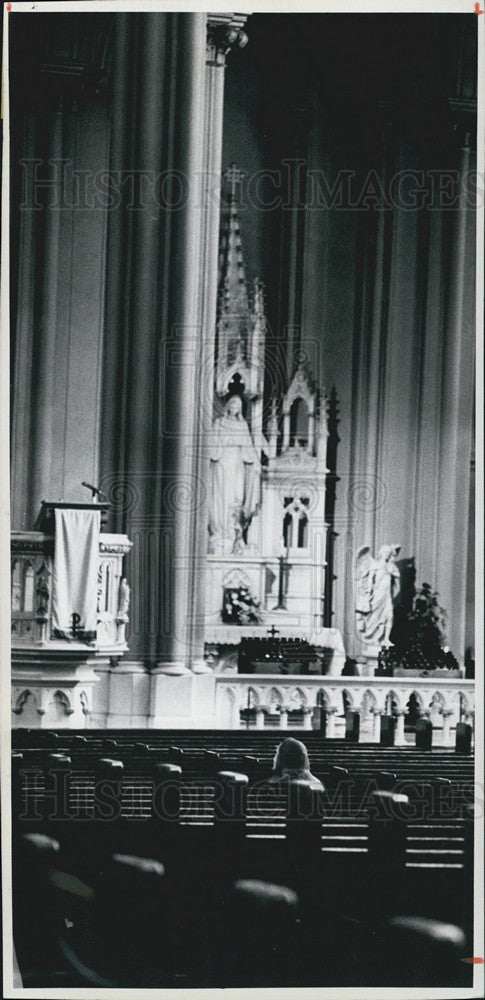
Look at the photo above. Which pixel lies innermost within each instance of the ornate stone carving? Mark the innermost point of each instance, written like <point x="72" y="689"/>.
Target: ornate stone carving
<point x="121" y="547"/>
<point x="19" y="703"/>
<point x="224" y="33"/>
<point x="42" y="590"/>
<point x="31" y="541"/>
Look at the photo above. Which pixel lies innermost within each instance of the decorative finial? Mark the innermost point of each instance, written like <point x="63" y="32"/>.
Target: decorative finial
<point x="234" y="176"/>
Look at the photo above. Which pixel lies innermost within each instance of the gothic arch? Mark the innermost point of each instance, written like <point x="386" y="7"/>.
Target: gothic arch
<point x="368" y="704"/>
<point x="28" y="586"/>
<point x="16" y="585"/>
<point x="83" y="698"/>
<point x="322" y="698"/>
<point x="398" y="699"/>
<point x="349" y="695"/>
<point x="438" y="699"/>
<point x="297" y="694"/>
<point x="229" y="708"/>
<point x="253" y="696"/>
<point x="275" y="696"/>
<point x="21" y="700"/>
<point x="62" y="702"/>
<point x="419" y="700"/>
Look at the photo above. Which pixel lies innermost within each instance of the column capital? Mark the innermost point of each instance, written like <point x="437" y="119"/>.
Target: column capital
<point x="224" y="33"/>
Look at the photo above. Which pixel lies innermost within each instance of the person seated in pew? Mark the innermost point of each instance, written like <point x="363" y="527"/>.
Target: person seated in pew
<point x="290" y="762"/>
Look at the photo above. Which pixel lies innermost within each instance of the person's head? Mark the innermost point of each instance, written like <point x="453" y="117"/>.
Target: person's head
<point x="234" y="406"/>
<point x="292" y="754"/>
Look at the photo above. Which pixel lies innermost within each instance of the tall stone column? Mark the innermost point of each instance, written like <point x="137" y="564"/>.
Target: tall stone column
<point x="367" y="484"/>
<point x="44" y="396"/>
<point x="330" y="714"/>
<point x="376" y="726"/>
<point x="152" y="328"/>
<point x="224" y="34"/>
<point x="161" y="293"/>
<point x="400" y="738"/>
<point x="456" y="414"/>
<point x="182" y="361"/>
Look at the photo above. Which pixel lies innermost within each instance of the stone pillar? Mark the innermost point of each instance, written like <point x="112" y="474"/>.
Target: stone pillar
<point x="399" y="737"/>
<point x="100" y="714"/>
<point x="330" y="714"/>
<point x="129" y="695"/>
<point x="307" y="718"/>
<point x="457" y="405"/>
<point x="376" y="727"/>
<point x="446" y="737"/>
<point x="43" y="403"/>
<point x="224" y="33"/>
<point x="283" y="718"/>
<point x="153" y="332"/>
<point x="260" y="713"/>
<point x="182" y="357"/>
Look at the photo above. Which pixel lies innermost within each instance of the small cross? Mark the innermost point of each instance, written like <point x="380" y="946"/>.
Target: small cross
<point x="273" y="631"/>
<point x="235" y="176"/>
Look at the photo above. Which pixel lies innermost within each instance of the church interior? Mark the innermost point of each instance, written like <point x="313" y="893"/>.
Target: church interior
<point x="242" y="305"/>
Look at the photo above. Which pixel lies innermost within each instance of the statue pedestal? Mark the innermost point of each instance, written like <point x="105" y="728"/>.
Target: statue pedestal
<point x="128" y="695"/>
<point x="181" y="701"/>
<point x="367" y="665"/>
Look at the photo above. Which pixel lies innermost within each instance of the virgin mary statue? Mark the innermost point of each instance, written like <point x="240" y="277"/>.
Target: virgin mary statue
<point x="235" y="478"/>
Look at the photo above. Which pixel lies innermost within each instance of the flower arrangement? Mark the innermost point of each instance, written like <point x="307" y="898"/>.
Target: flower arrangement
<point x="420" y="642"/>
<point x="239" y="607"/>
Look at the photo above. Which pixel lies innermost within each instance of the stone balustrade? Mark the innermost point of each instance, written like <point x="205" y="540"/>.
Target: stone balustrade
<point x="445" y="702"/>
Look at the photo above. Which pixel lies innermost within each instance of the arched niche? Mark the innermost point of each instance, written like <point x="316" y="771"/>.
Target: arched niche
<point x="299" y="431"/>
<point x="28" y="587"/>
<point x="16" y="584"/>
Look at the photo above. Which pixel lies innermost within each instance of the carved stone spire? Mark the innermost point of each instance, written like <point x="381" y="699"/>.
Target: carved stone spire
<point x="234" y="315"/>
<point x="241" y="324"/>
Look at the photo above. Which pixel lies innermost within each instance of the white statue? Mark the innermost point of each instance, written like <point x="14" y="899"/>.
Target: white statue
<point x="377" y="586"/>
<point x="235" y="478"/>
<point x="123" y="600"/>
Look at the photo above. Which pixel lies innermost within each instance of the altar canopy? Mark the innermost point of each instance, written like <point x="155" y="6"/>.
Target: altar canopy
<point x="75" y="572"/>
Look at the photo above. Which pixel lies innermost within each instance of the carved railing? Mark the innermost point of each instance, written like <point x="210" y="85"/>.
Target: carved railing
<point x="444" y="701"/>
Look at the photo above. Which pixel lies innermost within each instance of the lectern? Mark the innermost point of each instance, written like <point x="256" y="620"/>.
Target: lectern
<point x="69" y="612"/>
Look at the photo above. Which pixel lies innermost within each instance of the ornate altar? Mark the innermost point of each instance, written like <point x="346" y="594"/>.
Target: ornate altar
<point x="267" y="534"/>
<point x="278" y="656"/>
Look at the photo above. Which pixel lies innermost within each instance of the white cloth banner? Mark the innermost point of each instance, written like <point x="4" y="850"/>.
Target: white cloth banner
<point x="76" y="561"/>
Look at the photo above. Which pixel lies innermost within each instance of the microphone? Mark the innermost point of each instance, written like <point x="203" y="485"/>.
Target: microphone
<point x="94" y="490"/>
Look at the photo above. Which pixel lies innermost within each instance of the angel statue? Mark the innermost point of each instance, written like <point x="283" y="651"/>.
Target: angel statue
<point x="377" y="586"/>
